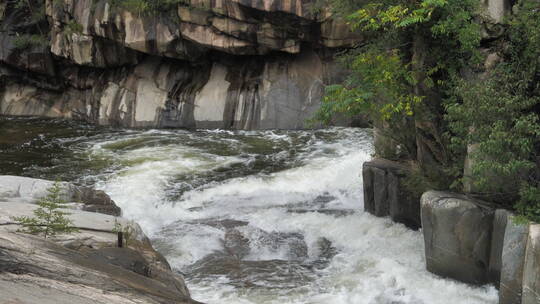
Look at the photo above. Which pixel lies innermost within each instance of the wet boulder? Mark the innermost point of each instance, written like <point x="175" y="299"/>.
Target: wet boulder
<point x="236" y="244"/>
<point x="385" y="194"/>
<point x="457" y="235"/>
<point x="531" y="272"/>
<point x="296" y="245"/>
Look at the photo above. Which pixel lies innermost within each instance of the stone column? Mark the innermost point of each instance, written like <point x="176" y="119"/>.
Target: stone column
<point x="531" y="272"/>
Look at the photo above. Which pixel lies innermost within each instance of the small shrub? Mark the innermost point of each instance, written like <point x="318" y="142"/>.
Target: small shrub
<point x="48" y="219"/>
<point x="147" y="7"/>
<point x="26" y="41"/>
<point x="73" y="27"/>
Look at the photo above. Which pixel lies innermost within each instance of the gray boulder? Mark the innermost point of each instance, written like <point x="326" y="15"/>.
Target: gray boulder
<point x="457" y="234"/>
<point x="531" y="272"/>
<point x="500" y="222"/>
<point x="512" y="258"/>
<point x="385" y="194"/>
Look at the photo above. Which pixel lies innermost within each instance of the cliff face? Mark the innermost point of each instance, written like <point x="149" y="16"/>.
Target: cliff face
<point x="236" y="64"/>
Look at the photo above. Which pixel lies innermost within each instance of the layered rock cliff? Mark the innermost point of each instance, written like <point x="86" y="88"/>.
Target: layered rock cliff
<point x="236" y="64"/>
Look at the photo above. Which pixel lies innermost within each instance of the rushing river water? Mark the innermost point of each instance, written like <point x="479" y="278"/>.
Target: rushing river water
<point x="247" y="217"/>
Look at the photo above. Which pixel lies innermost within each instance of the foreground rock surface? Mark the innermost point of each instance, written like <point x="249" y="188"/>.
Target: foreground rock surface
<point x="467" y="240"/>
<point x="33" y="270"/>
<point x="83" y="267"/>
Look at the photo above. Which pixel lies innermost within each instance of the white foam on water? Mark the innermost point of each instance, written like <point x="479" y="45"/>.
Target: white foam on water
<point x="377" y="261"/>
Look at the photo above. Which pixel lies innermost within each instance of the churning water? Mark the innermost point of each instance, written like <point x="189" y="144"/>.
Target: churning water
<point x="247" y="217"/>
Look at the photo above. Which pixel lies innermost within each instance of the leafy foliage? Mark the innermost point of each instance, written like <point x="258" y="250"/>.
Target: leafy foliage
<point x="385" y="71"/>
<point x="147" y="7"/>
<point x="73" y="27"/>
<point x="34" y="34"/>
<point x="500" y="117"/>
<point x="28" y="41"/>
<point x="48" y="219"/>
<point x="408" y="75"/>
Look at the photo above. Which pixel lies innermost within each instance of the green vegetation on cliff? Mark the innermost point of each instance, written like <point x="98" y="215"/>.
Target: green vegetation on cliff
<point x="444" y="92"/>
<point x="147" y="7"/>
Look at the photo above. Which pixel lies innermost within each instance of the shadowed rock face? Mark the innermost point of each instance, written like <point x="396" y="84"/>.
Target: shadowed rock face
<point x="210" y="64"/>
<point x="385" y="193"/>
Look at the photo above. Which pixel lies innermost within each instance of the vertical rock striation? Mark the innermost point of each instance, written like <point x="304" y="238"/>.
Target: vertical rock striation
<point x="386" y="195"/>
<point x="226" y="64"/>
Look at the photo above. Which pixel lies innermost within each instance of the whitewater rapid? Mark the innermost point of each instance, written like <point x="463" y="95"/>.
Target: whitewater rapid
<point x="270" y="217"/>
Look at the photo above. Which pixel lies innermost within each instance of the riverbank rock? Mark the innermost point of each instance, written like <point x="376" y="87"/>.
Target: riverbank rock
<point x="33" y="270"/>
<point x="385" y="194"/>
<point x="531" y="269"/>
<point x="457" y="235"/>
<point x="30" y="190"/>
<point x="81" y="267"/>
<point x="136" y="272"/>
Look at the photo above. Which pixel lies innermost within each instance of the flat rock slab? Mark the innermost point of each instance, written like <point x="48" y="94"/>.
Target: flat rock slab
<point x="81" y="219"/>
<point x="30" y="190"/>
<point x="95" y="228"/>
<point x="457" y="234"/>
